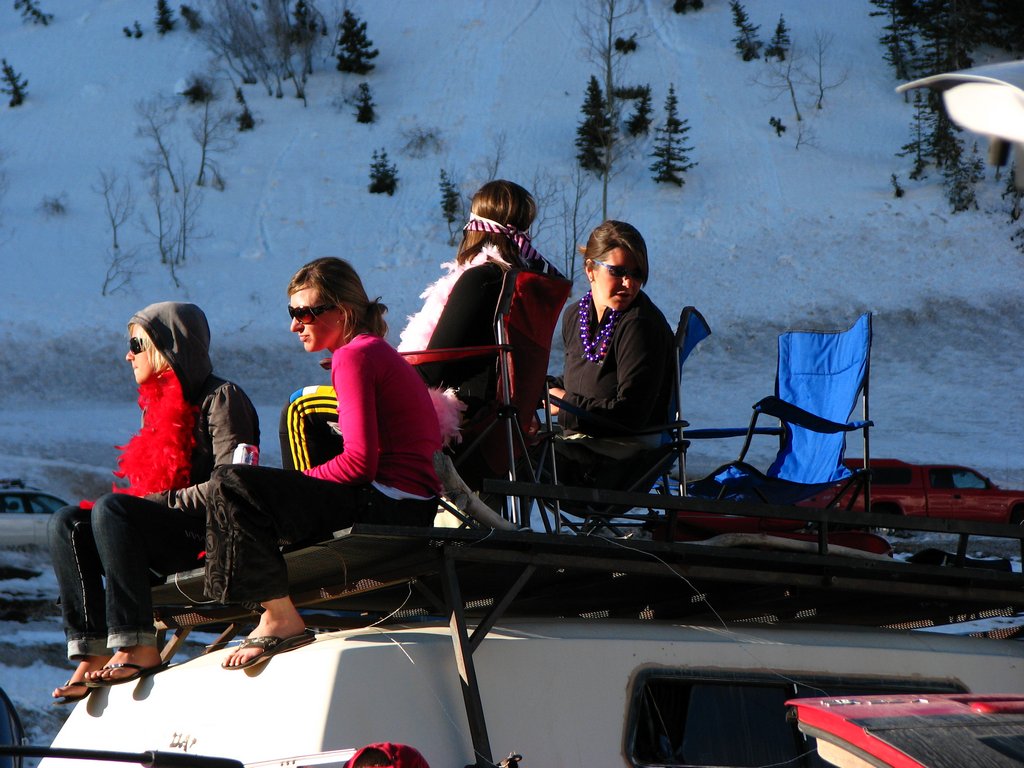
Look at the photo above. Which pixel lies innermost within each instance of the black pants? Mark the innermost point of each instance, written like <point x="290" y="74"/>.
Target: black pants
<point x="253" y="511"/>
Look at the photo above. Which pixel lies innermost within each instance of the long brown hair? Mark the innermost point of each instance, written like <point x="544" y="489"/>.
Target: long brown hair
<point x="506" y="203"/>
<point x="617" y="234"/>
<point x="337" y="283"/>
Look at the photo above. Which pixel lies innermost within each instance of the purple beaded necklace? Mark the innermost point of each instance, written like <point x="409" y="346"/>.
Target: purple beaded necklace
<point x="595" y="349"/>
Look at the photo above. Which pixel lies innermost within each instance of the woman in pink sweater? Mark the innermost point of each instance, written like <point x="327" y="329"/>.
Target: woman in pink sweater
<point x="384" y="473"/>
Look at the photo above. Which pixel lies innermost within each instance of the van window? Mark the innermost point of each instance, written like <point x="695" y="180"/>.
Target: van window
<point x="683" y="720"/>
<point x="890" y="475"/>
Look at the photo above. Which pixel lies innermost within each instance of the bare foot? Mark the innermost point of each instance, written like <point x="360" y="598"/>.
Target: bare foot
<point x="279" y="619"/>
<point x="75" y="688"/>
<point x="144" y="656"/>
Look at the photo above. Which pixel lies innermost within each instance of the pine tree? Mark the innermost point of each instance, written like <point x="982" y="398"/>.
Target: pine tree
<point x="780" y="42"/>
<point x="164" y="17"/>
<point x="746" y="41"/>
<point x="365" y="105"/>
<point x="356" y="48"/>
<point x="30" y="12"/>
<point x="192" y="17"/>
<point x="595" y="132"/>
<point x="961" y="174"/>
<point x="451" y="204"/>
<point x="682" y="6"/>
<point x="383" y="175"/>
<point x="670" y="152"/>
<point x="13" y="84"/>
<point x="898" y="38"/>
<point x="640" y="120"/>
<point x="915" y="148"/>
<point x="245" y="120"/>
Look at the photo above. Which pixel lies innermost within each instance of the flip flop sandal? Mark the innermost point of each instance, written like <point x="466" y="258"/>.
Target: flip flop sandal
<point x="60" y="701"/>
<point x="139" y="673"/>
<point x="271" y="646"/>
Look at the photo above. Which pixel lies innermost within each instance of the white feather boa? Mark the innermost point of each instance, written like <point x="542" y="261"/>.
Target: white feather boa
<point x="420" y="327"/>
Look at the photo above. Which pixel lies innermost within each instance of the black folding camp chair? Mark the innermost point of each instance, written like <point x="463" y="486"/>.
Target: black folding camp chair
<point x="650" y="470"/>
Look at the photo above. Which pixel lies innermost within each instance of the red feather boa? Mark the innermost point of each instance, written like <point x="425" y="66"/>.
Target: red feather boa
<point x="159" y="457"/>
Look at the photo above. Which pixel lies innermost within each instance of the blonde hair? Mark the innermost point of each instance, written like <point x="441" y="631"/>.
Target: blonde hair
<point x="617" y="234"/>
<point x="506" y="203"/>
<point x="337" y="283"/>
<point x="156" y="357"/>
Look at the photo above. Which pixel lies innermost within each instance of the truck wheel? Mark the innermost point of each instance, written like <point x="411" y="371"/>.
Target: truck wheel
<point x="886" y="509"/>
<point x="1017" y="516"/>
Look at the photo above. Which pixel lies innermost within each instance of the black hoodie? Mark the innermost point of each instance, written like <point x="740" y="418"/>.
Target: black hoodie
<point x="226" y="416"/>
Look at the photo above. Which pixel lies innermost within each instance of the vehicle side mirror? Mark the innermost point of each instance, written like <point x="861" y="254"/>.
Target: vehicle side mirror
<point x="11" y="731"/>
<point x="988" y="100"/>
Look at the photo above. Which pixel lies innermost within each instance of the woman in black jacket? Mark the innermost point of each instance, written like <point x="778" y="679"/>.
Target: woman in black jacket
<point x="618" y="352"/>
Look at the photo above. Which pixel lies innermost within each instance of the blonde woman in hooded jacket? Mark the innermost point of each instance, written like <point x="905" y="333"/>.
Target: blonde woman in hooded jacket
<point x="104" y="553"/>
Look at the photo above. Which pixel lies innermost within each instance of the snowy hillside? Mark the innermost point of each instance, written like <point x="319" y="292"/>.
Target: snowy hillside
<point x="762" y="237"/>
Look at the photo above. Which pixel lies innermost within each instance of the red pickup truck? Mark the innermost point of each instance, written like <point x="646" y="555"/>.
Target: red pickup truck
<point x="939" y="490"/>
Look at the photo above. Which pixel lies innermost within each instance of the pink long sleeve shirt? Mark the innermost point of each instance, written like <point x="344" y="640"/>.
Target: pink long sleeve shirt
<point x="386" y="419"/>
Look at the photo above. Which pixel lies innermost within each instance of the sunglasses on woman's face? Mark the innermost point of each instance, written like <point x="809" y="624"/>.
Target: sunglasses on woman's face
<point x="136" y="345"/>
<point x="619" y="272"/>
<point x="307" y="315"/>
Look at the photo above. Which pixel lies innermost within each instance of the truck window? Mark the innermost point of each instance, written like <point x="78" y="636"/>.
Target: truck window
<point x="890" y="475"/>
<point x="940" y="478"/>
<point x="682" y="720"/>
<point x="965" y="478"/>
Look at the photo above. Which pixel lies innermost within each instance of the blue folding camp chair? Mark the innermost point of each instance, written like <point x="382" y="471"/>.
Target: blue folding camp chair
<point x="820" y="378"/>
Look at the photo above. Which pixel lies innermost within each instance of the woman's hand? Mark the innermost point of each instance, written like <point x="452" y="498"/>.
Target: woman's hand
<point x="555" y="392"/>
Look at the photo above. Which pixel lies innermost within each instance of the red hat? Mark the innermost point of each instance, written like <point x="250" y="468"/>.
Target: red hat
<point x="400" y="755"/>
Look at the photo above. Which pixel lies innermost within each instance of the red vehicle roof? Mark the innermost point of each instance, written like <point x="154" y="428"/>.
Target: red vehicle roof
<point x="917" y="731"/>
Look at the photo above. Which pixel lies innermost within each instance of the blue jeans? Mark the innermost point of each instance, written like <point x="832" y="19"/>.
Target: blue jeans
<point x="105" y="560"/>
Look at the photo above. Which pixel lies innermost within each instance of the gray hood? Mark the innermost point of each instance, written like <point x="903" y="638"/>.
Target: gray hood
<point x="182" y="334"/>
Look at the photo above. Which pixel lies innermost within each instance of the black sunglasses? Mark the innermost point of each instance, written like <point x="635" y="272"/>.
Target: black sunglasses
<point x="307" y="315"/>
<point x="620" y="272"/>
<point x="136" y="345"/>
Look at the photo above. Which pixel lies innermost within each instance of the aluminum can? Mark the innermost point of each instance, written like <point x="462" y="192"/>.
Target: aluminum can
<point x="246" y="454"/>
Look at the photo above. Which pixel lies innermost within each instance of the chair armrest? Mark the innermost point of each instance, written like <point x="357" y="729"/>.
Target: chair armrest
<point x="780" y="409"/>
<point x="447" y="354"/>
<point x="615" y="426"/>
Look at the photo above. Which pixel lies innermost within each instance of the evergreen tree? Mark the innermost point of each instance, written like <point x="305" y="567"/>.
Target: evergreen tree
<point x="365" y="105"/>
<point x="670" y="151"/>
<point x="961" y="174"/>
<point x="192" y="17"/>
<point x="898" y="35"/>
<point x="356" y="49"/>
<point x="30" y="12"/>
<point x="595" y="132"/>
<point x="13" y="84"/>
<point x="383" y="175"/>
<point x="746" y="41"/>
<point x="625" y="44"/>
<point x="640" y="120"/>
<point x="779" y="46"/>
<point x="682" y="6"/>
<point x="245" y="120"/>
<point x="915" y="148"/>
<point x="451" y="204"/>
<point x="164" y="17"/>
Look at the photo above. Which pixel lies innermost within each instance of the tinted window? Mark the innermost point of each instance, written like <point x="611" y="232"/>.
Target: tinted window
<point x="965" y="478"/>
<point x="686" y="721"/>
<point x="45" y="504"/>
<point x="890" y="475"/>
<point x="14" y="504"/>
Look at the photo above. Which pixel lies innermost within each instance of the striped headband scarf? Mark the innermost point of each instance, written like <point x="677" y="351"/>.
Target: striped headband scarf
<point x="531" y="256"/>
